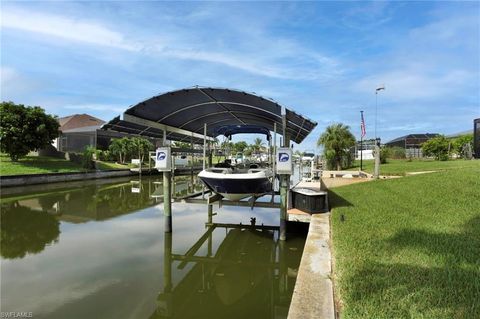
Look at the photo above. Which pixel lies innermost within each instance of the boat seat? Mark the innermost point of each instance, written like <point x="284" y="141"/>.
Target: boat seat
<point x="255" y="170"/>
<point x="221" y="170"/>
<point x="224" y="165"/>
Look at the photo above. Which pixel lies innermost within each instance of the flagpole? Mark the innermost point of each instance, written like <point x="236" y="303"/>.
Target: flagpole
<point x="361" y="142"/>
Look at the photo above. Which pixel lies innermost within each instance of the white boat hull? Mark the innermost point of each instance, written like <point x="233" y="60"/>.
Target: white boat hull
<point x="236" y="186"/>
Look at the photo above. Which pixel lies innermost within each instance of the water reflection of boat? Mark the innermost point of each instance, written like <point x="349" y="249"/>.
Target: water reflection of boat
<point x="249" y="248"/>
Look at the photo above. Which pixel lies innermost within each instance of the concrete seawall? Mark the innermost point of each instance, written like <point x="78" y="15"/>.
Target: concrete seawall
<point x="32" y="179"/>
<point x="313" y="293"/>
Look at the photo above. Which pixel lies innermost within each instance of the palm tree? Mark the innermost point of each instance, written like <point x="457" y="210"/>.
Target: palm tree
<point x="258" y="144"/>
<point x="337" y="140"/>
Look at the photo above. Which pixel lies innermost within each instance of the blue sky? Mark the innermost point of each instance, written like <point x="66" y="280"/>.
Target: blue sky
<point x="323" y="59"/>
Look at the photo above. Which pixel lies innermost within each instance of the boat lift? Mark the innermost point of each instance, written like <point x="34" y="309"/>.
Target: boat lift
<point x="194" y="114"/>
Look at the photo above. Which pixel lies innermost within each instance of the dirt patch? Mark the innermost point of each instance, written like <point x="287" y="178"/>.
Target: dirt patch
<point x="336" y="182"/>
<point x="418" y="173"/>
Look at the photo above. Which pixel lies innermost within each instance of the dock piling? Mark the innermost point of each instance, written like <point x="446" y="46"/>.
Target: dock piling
<point x="284" y="183"/>
<point x="166" y="297"/>
<point x="167" y="201"/>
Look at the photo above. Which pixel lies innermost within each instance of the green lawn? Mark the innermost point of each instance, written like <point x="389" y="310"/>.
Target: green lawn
<point x="111" y="165"/>
<point x="409" y="247"/>
<point x="401" y="167"/>
<point x="36" y="165"/>
<point x="45" y="165"/>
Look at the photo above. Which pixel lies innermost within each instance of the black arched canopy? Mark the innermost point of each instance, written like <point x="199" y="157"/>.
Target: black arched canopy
<point x="229" y="130"/>
<point x="183" y="114"/>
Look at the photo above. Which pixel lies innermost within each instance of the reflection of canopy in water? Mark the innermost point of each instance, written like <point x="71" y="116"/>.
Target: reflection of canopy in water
<point x="232" y="281"/>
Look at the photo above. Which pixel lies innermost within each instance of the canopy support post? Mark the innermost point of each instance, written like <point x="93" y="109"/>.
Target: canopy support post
<point x="284" y="185"/>
<point x="274" y="151"/>
<point x="204" y="144"/>
<point x="167" y="193"/>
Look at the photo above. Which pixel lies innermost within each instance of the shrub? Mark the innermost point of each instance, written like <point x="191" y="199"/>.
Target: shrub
<point x="396" y="152"/>
<point x="384" y="154"/>
<point x="87" y="161"/>
<point x="437" y="147"/>
<point x="105" y="156"/>
<point x="463" y="146"/>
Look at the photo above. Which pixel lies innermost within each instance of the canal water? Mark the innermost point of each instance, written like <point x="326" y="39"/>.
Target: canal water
<point x="98" y="250"/>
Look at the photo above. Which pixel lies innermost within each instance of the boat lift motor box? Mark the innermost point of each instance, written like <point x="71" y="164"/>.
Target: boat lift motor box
<point x="163" y="160"/>
<point x="284" y="161"/>
<point x="309" y="200"/>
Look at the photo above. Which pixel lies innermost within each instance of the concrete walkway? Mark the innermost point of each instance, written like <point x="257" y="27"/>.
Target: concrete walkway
<point x="313" y="293"/>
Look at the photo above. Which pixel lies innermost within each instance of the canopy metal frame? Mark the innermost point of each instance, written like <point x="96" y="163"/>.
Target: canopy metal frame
<point x="182" y="115"/>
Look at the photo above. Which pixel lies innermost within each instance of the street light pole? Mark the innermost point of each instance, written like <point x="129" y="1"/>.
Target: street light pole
<point x="377" y="139"/>
<point x="361" y="141"/>
<point x="382" y="87"/>
<point x="376" y="110"/>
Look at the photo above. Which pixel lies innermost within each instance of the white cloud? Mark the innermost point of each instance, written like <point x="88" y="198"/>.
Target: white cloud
<point x="412" y="84"/>
<point x="14" y="84"/>
<point x="304" y="64"/>
<point x="367" y="16"/>
<point x="66" y="28"/>
<point x="449" y="31"/>
<point x="96" y="107"/>
<point x="435" y="61"/>
<point x="8" y="74"/>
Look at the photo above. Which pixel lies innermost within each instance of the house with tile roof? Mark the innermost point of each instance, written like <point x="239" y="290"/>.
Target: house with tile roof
<point x="77" y="131"/>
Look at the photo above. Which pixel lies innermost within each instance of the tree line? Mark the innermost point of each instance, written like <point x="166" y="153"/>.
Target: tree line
<point x="337" y="141"/>
<point x="25" y="128"/>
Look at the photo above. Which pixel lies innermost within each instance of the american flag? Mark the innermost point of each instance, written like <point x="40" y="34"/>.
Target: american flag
<point x="362" y="127"/>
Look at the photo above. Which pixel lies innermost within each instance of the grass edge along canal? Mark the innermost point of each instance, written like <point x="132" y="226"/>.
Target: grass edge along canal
<point x="409" y="247"/>
<point x="403" y="166"/>
<point x="47" y="165"/>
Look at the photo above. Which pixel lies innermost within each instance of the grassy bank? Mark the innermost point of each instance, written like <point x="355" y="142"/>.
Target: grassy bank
<point x="401" y="167"/>
<point x="409" y="247"/>
<point x="112" y="165"/>
<point x="37" y="165"/>
<point x="46" y="165"/>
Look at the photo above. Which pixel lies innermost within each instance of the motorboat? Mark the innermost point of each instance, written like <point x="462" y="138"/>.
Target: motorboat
<point x="235" y="184"/>
<point x="239" y="181"/>
<point x="308" y="157"/>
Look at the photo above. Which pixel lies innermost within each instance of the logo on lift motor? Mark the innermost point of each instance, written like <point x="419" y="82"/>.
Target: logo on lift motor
<point x="161" y="156"/>
<point x="283" y="157"/>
